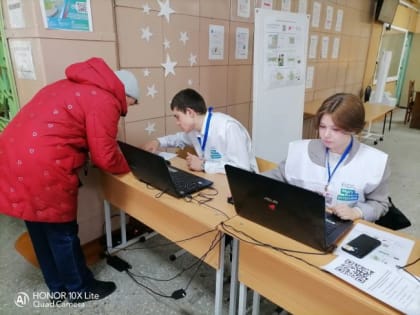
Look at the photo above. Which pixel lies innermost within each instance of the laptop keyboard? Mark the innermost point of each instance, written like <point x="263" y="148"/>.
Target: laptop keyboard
<point x="183" y="181"/>
<point x="330" y="226"/>
<point x="333" y="223"/>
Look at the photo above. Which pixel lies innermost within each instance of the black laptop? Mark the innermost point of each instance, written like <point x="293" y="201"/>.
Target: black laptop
<point x="155" y="171"/>
<point x="290" y="210"/>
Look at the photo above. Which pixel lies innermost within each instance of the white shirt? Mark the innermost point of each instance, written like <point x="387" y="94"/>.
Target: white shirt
<point x="228" y="142"/>
<point x="350" y="184"/>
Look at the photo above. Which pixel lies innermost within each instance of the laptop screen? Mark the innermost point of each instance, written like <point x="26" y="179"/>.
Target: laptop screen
<point x="281" y="207"/>
<point x="155" y="171"/>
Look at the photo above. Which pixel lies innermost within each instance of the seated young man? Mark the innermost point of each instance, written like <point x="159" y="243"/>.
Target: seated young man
<point x="217" y="138"/>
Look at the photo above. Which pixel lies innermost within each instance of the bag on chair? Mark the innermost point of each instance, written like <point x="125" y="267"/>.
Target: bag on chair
<point x="394" y="219"/>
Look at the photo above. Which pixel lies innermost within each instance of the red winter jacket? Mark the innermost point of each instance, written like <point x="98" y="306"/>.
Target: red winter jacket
<point x="48" y="141"/>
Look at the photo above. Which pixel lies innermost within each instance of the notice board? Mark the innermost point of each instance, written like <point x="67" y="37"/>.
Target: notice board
<point x="280" y="45"/>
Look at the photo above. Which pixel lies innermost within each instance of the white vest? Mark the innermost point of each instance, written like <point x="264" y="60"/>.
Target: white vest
<point x="350" y="182"/>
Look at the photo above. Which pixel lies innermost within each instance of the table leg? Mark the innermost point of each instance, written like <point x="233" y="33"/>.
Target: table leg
<point x="218" y="303"/>
<point x="242" y="299"/>
<point x="123" y="228"/>
<point x="384" y="124"/>
<point x="390" y="121"/>
<point x="256" y="303"/>
<point x="108" y="232"/>
<point x="234" y="277"/>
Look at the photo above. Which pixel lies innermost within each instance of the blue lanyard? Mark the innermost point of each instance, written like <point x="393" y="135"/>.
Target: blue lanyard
<point x="343" y="156"/>
<point x="206" y="131"/>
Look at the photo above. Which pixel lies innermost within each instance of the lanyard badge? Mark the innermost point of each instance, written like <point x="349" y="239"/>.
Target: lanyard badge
<point x="206" y="131"/>
<point x="342" y="158"/>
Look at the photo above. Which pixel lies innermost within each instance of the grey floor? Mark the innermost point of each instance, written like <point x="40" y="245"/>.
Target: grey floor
<point x="17" y="275"/>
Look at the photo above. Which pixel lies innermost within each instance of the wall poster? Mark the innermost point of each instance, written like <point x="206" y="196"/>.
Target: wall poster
<point x="71" y="15"/>
<point x="284" y="50"/>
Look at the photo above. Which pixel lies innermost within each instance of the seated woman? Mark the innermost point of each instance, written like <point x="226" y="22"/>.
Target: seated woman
<point x="351" y="175"/>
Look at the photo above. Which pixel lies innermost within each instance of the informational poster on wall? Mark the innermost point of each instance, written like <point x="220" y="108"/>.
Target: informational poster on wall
<point x="244" y="8"/>
<point x="14" y="7"/>
<point x="279" y="80"/>
<point x="284" y="52"/>
<point x="241" y="44"/>
<point x="71" y="15"/>
<point x="21" y="51"/>
<point x="216" y="42"/>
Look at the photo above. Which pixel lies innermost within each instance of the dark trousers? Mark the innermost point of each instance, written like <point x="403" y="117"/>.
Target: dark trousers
<point x="60" y="256"/>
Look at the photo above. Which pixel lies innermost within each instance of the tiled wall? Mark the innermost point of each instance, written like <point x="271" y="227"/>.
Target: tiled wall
<point x="344" y="73"/>
<point x="225" y="84"/>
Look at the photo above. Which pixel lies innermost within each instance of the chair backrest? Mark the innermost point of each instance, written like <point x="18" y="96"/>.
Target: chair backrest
<point x="265" y="165"/>
<point x="410" y="96"/>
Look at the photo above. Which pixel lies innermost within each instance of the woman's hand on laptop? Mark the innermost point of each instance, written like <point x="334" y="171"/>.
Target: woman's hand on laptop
<point x="343" y="211"/>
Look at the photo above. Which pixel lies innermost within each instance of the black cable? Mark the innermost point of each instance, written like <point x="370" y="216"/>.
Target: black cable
<point x="284" y="251"/>
<point x="212" y="246"/>
<point x="180" y="293"/>
<point x="410" y="264"/>
<point x="146" y="287"/>
<point x="198" y="260"/>
<point x="205" y="203"/>
<point x="172" y="242"/>
<point x="205" y="192"/>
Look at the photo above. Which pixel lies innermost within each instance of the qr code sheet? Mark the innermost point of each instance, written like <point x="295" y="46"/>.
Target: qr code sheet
<point x="355" y="271"/>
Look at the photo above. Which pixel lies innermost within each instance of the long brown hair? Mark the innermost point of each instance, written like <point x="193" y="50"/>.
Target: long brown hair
<point x="346" y="110"/>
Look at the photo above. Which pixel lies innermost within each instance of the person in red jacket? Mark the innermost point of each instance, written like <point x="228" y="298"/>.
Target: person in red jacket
<point x="41" y="151"/>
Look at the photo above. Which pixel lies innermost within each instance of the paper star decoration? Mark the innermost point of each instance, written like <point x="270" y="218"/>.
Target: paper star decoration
<point x="192" y="59"/>
<point x="146" y="34"/>
<point x="190" y="82"/>
<point x="150" y="128"/>
<point x="166" y="44"/>
<point x="146" y="72"/>
<point x="146" y="9"/>
<point x="165" y="9"/>
<point x="183" y="37"/>
<point x="151" y="91"/>
<point x="169" y="66"/>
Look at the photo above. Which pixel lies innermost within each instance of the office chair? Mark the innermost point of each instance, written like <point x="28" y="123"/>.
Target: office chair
<point x="410" y="101"/>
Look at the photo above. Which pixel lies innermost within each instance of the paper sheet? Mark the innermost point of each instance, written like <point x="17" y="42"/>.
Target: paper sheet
<point x="388" y="284"/>
<point x="167" y="155"/>
<point x="377" y="274"/>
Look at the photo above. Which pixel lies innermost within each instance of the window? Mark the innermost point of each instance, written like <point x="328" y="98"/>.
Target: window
<point x="393" y="39"/>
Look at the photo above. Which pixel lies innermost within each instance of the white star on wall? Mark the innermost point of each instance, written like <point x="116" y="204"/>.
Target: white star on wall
<point x="190" y="82"/>
<point x="165" y="9"/>
<point x="150" y="128"/>
<point x="169" y="66"/>
<point x="151" y="91"/>
<point x="166" y="44"/>
<point x="183" y="37"/>
<point x="192" y="59"/>
<point x="146" y="72"/>
<point x="146" y="9"/>
<point x="146" y="34"/>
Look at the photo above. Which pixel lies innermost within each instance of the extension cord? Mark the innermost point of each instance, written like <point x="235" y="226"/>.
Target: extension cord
<point x="118" y="263"/>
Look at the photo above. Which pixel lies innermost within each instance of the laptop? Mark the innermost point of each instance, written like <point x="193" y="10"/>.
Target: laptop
<point x="155" y="171"/>
<point x="287" y="209"/>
